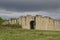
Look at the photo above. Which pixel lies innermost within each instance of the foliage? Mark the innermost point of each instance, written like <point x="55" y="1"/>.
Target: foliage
<point x="13" y="25"/>
<point x="1" y="20"/>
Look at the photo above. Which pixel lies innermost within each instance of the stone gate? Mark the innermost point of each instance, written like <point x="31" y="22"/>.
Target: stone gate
<point x="37" y="22"/>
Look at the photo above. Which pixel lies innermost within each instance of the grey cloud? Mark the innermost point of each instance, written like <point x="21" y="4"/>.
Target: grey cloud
<point x="50" y="6"/>
<point x="29" y="5"/>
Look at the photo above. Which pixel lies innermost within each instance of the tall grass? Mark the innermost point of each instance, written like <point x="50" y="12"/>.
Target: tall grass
<point x="19" y="34"/>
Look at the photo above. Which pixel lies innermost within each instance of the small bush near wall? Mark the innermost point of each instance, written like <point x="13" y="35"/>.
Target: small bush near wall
<point x="13" y="25"/>
<point x="1" y="20"/>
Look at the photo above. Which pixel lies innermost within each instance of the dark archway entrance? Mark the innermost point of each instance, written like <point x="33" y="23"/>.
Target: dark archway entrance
<point x="32" y="24"/>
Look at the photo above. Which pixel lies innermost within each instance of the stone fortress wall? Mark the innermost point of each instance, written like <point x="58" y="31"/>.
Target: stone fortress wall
<point x="37" y="22"/>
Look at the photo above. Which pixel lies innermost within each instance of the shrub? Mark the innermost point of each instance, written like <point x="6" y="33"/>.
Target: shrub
<point x="13" y="25"/>
<point x="1" y="20"/>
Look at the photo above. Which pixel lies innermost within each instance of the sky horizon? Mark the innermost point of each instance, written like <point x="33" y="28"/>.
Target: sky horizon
<point x="17" y="8"/>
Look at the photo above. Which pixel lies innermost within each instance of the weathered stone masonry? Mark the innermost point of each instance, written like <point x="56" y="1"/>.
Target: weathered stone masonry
<point x="37" y="22"/>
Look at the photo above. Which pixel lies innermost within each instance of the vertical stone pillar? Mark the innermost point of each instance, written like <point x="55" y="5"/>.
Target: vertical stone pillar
<point x="38" y="22"/>
<point x="51" y="24"/>
<point x="10" y="21"/>
<point x="57" y="25"/>
<point x="20" y="21"/>
<point x="23" y="22"/>
<point x="45" y="23"/>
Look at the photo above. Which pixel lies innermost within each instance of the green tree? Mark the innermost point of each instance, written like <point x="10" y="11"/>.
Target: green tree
<point x="1" y="20"/>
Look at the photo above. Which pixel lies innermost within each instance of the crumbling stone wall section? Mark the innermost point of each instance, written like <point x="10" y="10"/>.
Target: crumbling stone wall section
<point x="20" y="20"/>
<point x="51" y="24"/>
<point x="29" y="18"/>
<point x="12" y="21"/>
<point x="38" y="22"/>
<point x="23" y="22"/>
<point x="44" y="23"/>
<point x="41" y="22"/>
<point x="57" y="25"/>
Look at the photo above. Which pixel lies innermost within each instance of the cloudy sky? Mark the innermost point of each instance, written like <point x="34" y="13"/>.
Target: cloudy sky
<point x="16" y="8"/>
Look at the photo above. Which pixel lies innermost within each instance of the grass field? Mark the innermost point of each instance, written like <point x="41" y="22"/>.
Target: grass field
<point x="20" y="34"/>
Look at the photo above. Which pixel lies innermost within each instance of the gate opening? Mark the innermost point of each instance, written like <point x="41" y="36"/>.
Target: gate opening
<point x="32" y="24"/>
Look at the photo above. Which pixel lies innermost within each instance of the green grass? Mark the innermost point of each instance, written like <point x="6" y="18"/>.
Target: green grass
<point x="21" y="34"/>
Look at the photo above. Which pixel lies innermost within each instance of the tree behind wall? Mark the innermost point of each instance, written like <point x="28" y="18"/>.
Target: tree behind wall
<point x="1" y="20"/>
